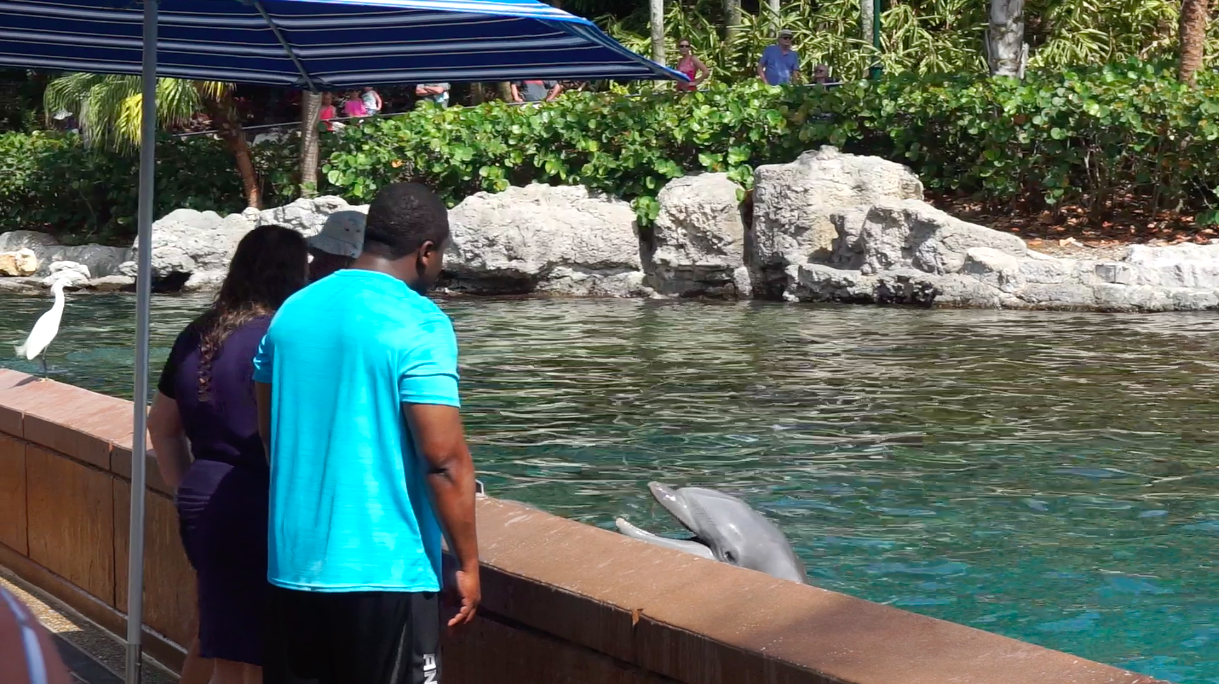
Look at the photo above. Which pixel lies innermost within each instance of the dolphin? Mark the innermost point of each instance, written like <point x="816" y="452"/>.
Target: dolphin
<point x="725" y="529"/>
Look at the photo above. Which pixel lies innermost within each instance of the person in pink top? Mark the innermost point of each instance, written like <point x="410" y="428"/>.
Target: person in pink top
<point x="691" y="66"/>
<point x="328" y="111"/>
<point x="353" y="105"/>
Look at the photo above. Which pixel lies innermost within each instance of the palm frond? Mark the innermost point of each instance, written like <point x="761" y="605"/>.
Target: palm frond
<point x="109" y="106"/>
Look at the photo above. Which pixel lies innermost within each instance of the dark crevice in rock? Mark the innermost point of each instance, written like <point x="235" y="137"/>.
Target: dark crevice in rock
<point x="172" y="282"/>
<point x="487" y="284"/>
<point x="770" y="282"/>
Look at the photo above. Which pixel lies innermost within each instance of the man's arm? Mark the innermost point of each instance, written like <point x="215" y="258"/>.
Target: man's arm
<point x="440" y="441"/>
<point x="262" y="395"/>
<point x="516" y="94"/>
<point x="554" y="92"/>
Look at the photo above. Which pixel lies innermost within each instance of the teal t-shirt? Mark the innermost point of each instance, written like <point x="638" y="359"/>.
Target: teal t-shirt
<point x="350" y="507"/>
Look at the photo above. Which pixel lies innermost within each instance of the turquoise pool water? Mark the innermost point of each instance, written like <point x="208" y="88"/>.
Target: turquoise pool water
<point x="1050" y="477"/>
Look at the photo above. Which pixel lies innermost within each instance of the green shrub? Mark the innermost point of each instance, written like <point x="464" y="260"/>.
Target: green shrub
<point x="1089" y="136"/>
<point x="1097" y="136"/>
<point x="51" y="182"/>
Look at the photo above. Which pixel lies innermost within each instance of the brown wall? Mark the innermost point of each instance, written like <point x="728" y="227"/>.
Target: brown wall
<point x="562" y="602"/>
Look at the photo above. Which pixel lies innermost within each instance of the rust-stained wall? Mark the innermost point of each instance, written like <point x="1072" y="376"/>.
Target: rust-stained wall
<point x="563" y="603"/>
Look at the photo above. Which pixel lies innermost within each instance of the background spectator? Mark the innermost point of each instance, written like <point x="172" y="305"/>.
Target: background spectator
<point x="328" y="112"/>
<point x="535" y="91"/>
<point x="780" y="63"/>
<point x="372" y="101"/>
<point x="339" y="243"/>
<point x="691" y="66"/>
<point x="436" y="92"/>
<point x="353" y="105"/>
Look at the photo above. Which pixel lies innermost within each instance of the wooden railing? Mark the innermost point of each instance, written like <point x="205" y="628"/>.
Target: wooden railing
<point x="563" y="602"/>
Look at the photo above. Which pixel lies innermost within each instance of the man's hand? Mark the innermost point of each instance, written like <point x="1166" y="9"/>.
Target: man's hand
<point x="466" y="594"/>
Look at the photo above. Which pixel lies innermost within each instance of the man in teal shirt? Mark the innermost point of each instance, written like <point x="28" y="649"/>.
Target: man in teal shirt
<point x="357" y="392"/>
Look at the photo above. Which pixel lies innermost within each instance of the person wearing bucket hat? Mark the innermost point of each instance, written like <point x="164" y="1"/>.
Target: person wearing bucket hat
<point x="337" y="245"/>
<point x="780" y="63"/>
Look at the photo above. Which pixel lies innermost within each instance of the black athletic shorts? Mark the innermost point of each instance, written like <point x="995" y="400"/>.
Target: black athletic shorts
<point x="377" y="637"/>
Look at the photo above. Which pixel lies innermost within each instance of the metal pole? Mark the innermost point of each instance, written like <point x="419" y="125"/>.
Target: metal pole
<point x="135" y="539"/>
<point x="875" y="71"/>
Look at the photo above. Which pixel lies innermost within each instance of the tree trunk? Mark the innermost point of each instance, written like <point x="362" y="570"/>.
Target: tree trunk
<point x="223" y="115"/>
<point x="477" y="96"/>
<point x="1005" y="38"/>
<point x="311" y="109"/>
<point x="505" y="91"/>
<point x="776" y="17"/>
<point x="732" y="19"/>
<point x="1193" y="39"/>
<point x="865" y="20"/>
<point x="657" y="22"/>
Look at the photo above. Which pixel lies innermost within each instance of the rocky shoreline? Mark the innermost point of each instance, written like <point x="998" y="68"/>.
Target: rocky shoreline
<point x="828" y="227"/>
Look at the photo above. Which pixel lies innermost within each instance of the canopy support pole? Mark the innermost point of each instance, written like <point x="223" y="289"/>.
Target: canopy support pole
<point x="135" y="538"/>
<point x="300" y="68"/>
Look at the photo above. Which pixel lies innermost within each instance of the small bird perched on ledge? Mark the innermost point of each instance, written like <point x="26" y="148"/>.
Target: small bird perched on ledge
<point x="45" y="329"/>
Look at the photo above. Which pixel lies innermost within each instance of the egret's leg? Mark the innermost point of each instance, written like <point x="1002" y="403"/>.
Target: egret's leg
<point x="43" y="356"/>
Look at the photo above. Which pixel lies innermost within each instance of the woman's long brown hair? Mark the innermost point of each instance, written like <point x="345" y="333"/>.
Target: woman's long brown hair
<point x="270" y="264"/>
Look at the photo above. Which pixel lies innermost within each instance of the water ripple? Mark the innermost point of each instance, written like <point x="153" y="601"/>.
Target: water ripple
<point x="1050" y="477"/>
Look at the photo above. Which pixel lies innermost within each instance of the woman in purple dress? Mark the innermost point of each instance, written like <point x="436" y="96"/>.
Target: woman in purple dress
<point x="204" y="429"/>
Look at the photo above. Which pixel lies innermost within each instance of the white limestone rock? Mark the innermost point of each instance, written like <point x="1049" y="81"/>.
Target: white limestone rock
<point x="185" y="241"/>
<point x="76" y="275"/>
<point x="542" y="238"/>
<point x="111" y="283"/>
<point x="22" y="262"/>
<point x="306" y="216"/>
<point x="699" y="237"/>
<point x="204" y="281"/>
<point x="793" y="204"/>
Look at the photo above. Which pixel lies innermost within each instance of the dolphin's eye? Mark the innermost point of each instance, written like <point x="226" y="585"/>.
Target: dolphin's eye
<point x="730" y="556"/>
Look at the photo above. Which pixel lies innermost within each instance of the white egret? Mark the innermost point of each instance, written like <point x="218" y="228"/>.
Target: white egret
<point x="45" y="329"/>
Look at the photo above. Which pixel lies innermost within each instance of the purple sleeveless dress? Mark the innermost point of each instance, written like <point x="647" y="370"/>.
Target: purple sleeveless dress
<point x="222" y="502"/>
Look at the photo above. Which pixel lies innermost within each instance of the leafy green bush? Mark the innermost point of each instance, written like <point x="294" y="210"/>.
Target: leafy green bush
<point x="1121" y="133"/>
<point x="51" y="182"/>
<point x="1068" y="136"/>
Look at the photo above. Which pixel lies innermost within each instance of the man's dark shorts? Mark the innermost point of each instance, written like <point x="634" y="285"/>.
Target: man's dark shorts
<point x="379" y="637"/>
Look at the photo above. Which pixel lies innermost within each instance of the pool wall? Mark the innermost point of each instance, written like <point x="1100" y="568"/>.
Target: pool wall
<point x="563" y="602"/>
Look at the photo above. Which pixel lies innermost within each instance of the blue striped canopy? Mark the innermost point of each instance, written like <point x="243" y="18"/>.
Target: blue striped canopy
<point x="320" y="44"/>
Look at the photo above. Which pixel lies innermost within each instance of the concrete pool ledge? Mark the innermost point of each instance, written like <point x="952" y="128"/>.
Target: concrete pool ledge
<point x="563" y="602"/>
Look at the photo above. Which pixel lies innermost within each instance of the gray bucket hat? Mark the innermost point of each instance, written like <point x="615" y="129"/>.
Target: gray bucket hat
<point x="342" y="234"/>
